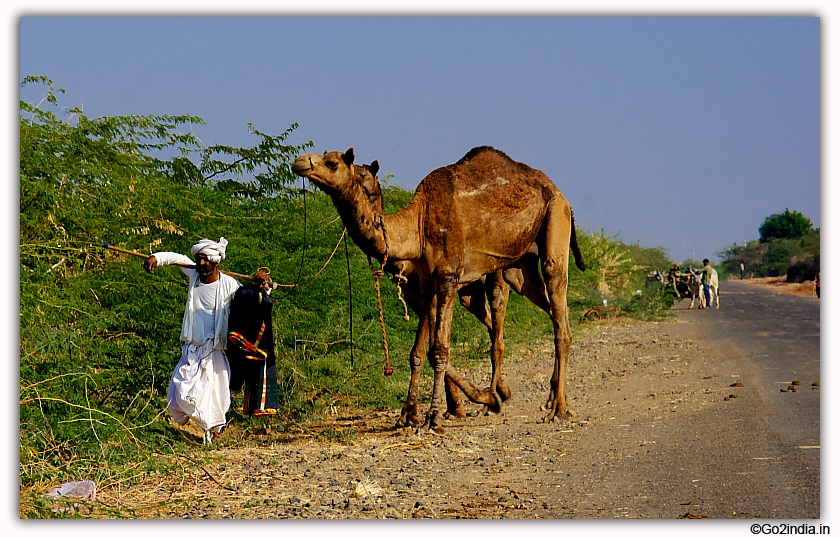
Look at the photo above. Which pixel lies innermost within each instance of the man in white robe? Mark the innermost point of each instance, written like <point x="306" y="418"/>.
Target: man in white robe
<point x="199" y="389"/>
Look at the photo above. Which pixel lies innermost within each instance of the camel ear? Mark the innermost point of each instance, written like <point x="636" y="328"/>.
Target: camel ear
<point x="349" y="156"/>
<point x="374" y="167"/>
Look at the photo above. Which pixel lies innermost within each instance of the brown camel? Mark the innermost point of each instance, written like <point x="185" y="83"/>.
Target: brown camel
<point x="466" y="221"/>
<point x="524" y="278"/>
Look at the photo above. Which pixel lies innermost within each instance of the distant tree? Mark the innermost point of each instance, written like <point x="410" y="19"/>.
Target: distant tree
<point x="787" y="225"/>
<point x="750" y="253"/>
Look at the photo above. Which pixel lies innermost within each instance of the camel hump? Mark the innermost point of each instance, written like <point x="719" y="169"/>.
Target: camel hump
<point x="472" y="153"/>
<point x="488" y="179"/>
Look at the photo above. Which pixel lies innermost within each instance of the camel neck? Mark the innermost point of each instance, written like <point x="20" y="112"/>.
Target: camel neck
<point x="376" y="234"/>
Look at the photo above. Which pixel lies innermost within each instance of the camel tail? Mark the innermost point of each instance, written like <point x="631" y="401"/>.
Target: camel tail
<point x="575" y="247"/>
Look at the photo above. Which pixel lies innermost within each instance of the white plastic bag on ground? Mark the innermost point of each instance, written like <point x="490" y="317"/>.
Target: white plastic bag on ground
<point x="83" y="490"/>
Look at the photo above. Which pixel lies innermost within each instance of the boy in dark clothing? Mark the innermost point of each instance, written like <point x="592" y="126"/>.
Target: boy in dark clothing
<point x="251" y="351"/>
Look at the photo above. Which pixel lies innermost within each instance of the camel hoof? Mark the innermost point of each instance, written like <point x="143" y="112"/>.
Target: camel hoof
<point x="455" y="414"/>
<point x="407" y="420"/>
<point x="430" y="427"/>
<point x="563" y="416"/>
<point x="431" y="424"/>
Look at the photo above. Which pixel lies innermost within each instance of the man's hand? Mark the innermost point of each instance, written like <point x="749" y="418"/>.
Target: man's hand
<point x="263" y="280"/>
<point x="150" y="264"/>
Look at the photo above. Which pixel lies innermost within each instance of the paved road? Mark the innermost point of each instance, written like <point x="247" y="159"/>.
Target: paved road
<point x="776" y="338"/>
<point x="781" y="335"/>
<point x="685" y="450"/>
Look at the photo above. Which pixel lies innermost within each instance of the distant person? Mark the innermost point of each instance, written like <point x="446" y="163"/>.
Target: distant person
<point x="817" y="287"/>
<point x="742" y="270"/>
<point x="706" y="280"/>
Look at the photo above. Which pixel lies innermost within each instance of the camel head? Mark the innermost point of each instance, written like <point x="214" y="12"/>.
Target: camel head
<point x="333" y="172"/>
<point x="355" y="192"/>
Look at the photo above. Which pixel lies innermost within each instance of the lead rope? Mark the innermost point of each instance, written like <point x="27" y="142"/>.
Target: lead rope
<point x="350" y="285"/>
<point x="388" y="371"/>
<point x="399" y="279"/>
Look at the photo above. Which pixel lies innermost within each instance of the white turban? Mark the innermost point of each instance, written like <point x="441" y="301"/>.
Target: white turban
<point x="215" y="251"/>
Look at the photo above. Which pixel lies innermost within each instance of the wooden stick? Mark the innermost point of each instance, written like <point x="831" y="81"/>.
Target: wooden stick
<point x="229" y="273"/>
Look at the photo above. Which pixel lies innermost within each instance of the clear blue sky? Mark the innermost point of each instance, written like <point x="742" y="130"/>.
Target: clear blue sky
<point x="683" y="133"/>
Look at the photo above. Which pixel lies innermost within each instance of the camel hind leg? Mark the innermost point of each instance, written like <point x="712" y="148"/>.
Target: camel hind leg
<point x="553" y="242"/>
<point x="498" y="294"/>
<point x="524" y="277"/>
<point x="472" y="298"/>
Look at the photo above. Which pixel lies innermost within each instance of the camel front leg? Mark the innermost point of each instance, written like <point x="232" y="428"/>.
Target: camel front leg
<point x="454" y="408"/>
<point x="409" y="413"/>
<point x="453" y="379"/>
<point x="439" y="357"/>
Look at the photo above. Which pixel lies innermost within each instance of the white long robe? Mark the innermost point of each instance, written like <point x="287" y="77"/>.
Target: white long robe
<point x="199" y="388"/>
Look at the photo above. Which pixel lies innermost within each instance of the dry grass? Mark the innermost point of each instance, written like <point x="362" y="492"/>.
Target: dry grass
<point x="779" y="285"/>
